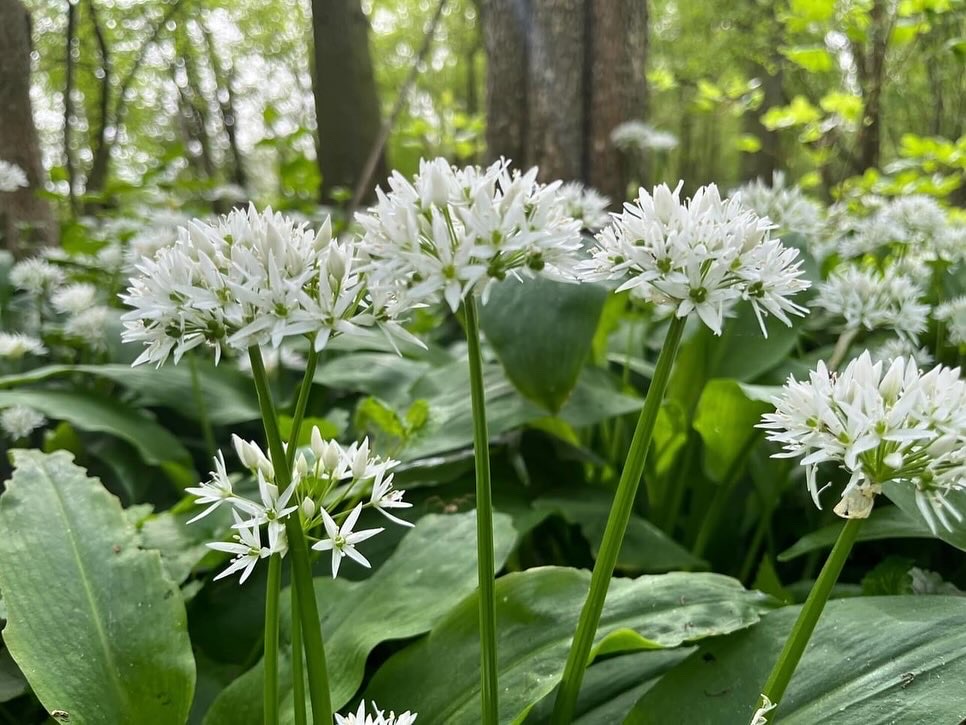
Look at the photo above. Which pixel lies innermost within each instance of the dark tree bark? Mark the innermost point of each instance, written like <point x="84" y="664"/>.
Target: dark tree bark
<point x="346" y="102"/>
<point x="561" y="75"/>
<point x="25" y="218"/>
<point x="505" y="24"/>
<point x="69" y="105"/>
<point x="871" y="68"/>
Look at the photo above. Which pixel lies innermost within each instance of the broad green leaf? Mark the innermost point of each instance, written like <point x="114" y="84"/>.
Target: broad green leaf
<point x="798" y="113"/>
<point x="814" y="59"/>
<point x="886" y="522"/>
<point x="612" y="686"/>
<point x="96" y="626"/>
<point x="871" y="660"/>
<point x="433" y="568"/>
<point x="93" y="412"/>
<point x="228" y="395"/>
<point x="543" y="331"/>
<point x="182" y="547"/>
<point x="537" y="611"/>
<point x="382" y="374"/>
<point x="725" y="419"/>
<point x="904" y="497"/>
<point x="645" y="549"/>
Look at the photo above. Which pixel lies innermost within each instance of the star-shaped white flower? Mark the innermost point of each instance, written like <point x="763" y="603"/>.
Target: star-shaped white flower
<point x="248" y="549"/>
<point x="215" y="491"/>
<point x="342" y="540"/>
<point x="384" y="496"/>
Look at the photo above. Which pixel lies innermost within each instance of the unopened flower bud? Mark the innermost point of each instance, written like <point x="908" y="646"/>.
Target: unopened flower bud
<point x="308" y="508"/>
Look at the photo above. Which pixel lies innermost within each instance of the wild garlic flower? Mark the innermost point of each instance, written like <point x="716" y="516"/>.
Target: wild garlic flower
<point x="918" y="217"/>
<point x="74" y="298"/>
<point x="642" y="137"/>
<point x="879" y="425"/>
<point x="452" y="232"/>
<point x="335" y="476"/>
<point x="12" y="177"/>
<point x="901" y="347"/>
<point x="953" y="313"/>
<point x="36" y="276"/>
<point x="19" y="421"/>
<point x="786" y="206"/>
<point x="15" y="345"/>
<point x="760" y="716"/>
<point x="90" y="327"/>
<point x="865" y="298"/>
<point x="250" y="279"/>
<point x="377" y="717"/>
<point x="702" y="255"/>
<point x="586" y="205"/>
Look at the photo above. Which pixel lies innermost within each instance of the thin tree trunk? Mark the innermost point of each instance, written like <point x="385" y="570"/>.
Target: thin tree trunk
<point x="505" y="25"/>
<point x="346" y="103"/>
<point x="69" y="105"/>
<point x="25" y="218"/>
<point x="617" y="91"/>
<point x="872" y="78"/>
<point x="226" y="106"/>
<point x="101" y="147"/>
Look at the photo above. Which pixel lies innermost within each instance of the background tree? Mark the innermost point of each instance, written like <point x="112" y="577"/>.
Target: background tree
<point x="25" y="217"/>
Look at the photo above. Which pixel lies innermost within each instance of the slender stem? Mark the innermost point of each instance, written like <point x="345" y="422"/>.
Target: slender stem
<point x="270" y="683"/>
<point x="797" y="640"/>
<point x="303" y="400"/>
<point x="202" y="407"/>
<point x="308" y="609"/>
<point x="298" y="675"/>
<point x="841" y="347"/>
<point x="484" y="521"/>
<point x="620" y="514"/>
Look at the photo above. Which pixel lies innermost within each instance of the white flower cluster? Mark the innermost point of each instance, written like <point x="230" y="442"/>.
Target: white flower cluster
<point x="19" y="421"/>
<point x="953" y="313"/>
<point x="377" y="717"/>
<point x="864" y="297"/>
<point x="36" y="276"/>
<point x="701" y="255"/>
<point x="253" y="279"/>
<point x="639" y="136"/>
<point x="12" y="177"/>
<point x="452" y="232"/>
<point x="586" y="205"/>
<point x="879" y="425"/>
<point x="336" y="475"/>
<point x="14" y="345"/>
<point x="902" y="347"/>
<point x="786" y="206"/>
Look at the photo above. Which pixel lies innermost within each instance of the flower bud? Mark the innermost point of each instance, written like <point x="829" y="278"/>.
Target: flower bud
<point x="308" y="508"/>
<point x="317" y="444"/>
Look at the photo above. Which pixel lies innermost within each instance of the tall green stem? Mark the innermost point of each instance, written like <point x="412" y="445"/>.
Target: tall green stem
<point x="308" y="609"/>
<point x="620" y="514"/>
<point x="784" y="668"/>
<point x="303" y="400"/>
<point x="202" y="406"/>
<point x="270" y="682"/>
<point x="484" y="521"/>
<point x="298" y="674"/>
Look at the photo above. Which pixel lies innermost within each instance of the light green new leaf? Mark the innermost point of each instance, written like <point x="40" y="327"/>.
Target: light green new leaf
<point x="433" y="568"/>
<point x="871" y="660"/>
<point x="725" y="419"/>
<point x="92" y="412"/>
<point x="537" y="612"/>
<point x="886" y="522"/>
<point x="543" y="332"/>
<point x="98" y="629"/>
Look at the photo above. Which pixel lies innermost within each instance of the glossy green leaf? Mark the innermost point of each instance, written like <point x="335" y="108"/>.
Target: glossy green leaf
<point x="433" y="568"/>
<point x="725" y="419"/>
<point x="96" y="626"/>
<point x="645" y="549"/>
<point x="886" y="522"/>
<point x="543" y="332"/>
<point x="537" y="611"/>
<point x="89" y="411"/>
<point x="873" y="660"/>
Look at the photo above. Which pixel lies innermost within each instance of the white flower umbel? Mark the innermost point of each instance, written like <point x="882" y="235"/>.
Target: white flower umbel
<point x="901" y="347"/>
<point x="376" y="717"/>
<point x="19" y="421"/>
<point x="865" y="298"/>
<point x="342" y="540"/>
<point x="701" y="255"/>
<point x="247" y="549"/>
<point x="586" y="205"/>
<point x="879" y="425"/>
<point x="90" y="327"/>
<point x="14" y="345"/>
<point x="73" y="299"/>
<point x="642" y="137"/>
<point x="451" y="232"/>
<point x="36" y="276"/>
<point x="786" y="206"/>
<point x="953" y="314"/>
<point x="250" y="279"/>
<point x="12" y="177"/>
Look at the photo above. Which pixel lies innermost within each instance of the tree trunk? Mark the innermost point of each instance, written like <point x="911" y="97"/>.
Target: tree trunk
<point x="25" y="218"/>
<point x="69" y="105"/>
<point x="561" y="74"/>
<point x="97" y="176"/>
<point x="617" y="91"/>
<point x="346" y="102"/>
<point x="871" y="77"/>
<point x="226" y="106"/>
